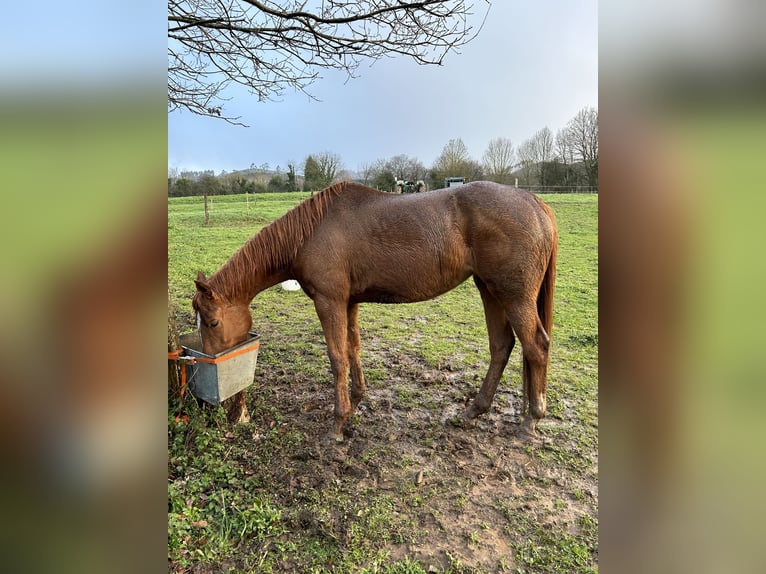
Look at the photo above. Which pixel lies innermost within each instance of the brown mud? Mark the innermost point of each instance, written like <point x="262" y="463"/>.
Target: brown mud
<point x="476" y="497"/>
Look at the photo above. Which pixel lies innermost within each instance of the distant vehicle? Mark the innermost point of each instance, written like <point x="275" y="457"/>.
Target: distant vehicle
<point x="453" y="181"/>
<point x="407" y="186"/>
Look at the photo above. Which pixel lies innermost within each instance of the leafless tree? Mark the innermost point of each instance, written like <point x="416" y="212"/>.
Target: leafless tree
<point x="583" y="136"/>
<point x="454" y="161"/>
<point x="365" y="172"/>
<point x="453" y="157"/>
<point x="405" y="167"/>
<point x="330" y="165"/>
<point x="526" y="155"/>
<point x="563" y="147"/>
<point x="544" y="143"/>
<point x="564" y="153"/>
<point x="269" y="46"/>
<point x="535" y="155"/>
<point x="499" y="160"/>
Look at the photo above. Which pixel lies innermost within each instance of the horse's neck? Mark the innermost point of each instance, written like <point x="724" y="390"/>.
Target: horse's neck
<point x="265" y="259"/>
<point x="248" y="286"/>
<point x="243" y="276"/>
<point x="270" y="280"/>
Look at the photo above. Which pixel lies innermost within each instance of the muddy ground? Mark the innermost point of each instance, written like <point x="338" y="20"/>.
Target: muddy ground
<point x="452" y="498"/>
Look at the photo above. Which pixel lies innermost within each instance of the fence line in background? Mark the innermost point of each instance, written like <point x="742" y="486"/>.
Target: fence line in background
<point x="561" y="188"/>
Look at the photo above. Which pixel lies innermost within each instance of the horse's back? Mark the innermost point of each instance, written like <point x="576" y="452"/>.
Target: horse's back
<point x="514" y="204"/>
<point x="403" y="248"/>
<point x="482" y="212"/>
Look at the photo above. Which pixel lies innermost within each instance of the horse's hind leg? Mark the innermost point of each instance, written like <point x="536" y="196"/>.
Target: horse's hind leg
<point x="535" y="344"/>
<point x="501" y="342"/>
<point x="354" y="347"/>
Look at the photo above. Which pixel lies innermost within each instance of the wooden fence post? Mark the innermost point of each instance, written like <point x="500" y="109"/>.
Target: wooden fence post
<point x="174" y="367"/>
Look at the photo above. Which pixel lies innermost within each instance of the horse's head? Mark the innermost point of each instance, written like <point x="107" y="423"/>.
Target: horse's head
<point x="222" y="324"/>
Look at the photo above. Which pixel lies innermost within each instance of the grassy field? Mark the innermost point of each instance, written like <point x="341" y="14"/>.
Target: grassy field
<point x="408" y="491"/>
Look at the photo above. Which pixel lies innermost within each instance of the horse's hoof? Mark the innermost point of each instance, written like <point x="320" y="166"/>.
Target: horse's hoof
<point x="461" y="421"/>
<point x="475" y="410"/>
<point x="527" y="426"/>
<point x="528" y="437"/>
<point x="528" y="433"/>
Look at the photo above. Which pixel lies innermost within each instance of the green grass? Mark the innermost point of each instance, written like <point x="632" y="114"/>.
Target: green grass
<point x="261" y="498"/>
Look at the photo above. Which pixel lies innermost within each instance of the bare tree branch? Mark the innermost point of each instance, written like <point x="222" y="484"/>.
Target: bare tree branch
<point x="499" y="160"/>
<point x="583" y="137"/>
<point x="270" y="46"/>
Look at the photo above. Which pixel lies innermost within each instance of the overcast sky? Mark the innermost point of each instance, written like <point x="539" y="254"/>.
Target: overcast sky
<point x="534" y="64"/>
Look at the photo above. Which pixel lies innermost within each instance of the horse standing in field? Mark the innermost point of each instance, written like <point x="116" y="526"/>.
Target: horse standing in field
<point x="351" y="244"/>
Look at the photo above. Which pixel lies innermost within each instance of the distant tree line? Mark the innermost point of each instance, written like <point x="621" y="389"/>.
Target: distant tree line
<point x="254" y="180"/>
<point x="565" y="160"/>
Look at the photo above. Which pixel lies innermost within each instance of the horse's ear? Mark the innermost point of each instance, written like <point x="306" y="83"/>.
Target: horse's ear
<point x="203" y="286"/>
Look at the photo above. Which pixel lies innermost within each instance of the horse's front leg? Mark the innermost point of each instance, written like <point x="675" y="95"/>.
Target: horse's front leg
<point x="333" y="317"/>
<point x="358" y="386"/>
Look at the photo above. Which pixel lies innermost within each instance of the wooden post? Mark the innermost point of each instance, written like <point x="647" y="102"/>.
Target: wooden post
<point x="174" y="367"/>
<point x="236" y="409"/>
<point x="207" y="217"/>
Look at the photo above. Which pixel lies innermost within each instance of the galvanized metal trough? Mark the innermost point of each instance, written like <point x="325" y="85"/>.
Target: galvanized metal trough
<point x="215" y="378"/>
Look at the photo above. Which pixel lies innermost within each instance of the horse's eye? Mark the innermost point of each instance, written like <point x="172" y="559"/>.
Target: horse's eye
<point x="214" y="323"/>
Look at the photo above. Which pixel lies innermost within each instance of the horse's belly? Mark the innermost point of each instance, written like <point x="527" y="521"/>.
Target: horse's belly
<point x="410" y="290"/>
<point x="382" y="296"/>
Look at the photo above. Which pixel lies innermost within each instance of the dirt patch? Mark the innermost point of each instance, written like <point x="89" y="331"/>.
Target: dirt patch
<point x="460" y="498"/>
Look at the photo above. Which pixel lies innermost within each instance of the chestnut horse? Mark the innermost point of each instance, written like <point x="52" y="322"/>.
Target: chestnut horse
<point x="351" y="244"/>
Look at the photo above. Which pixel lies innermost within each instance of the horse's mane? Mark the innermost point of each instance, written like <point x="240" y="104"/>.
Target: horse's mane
<point x="274" y="247"/>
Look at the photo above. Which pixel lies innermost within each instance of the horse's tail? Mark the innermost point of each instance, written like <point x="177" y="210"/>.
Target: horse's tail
<point x="544" y="304"/>
<point x="545" y="296"/>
